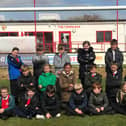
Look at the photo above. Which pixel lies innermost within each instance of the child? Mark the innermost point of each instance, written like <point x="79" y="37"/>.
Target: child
<point x="121" y="95"/>
<point x="46" y="78"/>
<point x="66" y="80"/>
<point x="50" y="103"/>
<point x="29" y="104"/>
<point x="91" y="78"/>
<point x="78" y="101"/>
<point x="39" y="60"/>
<point x="25" y="80"/>
<point x="86" y="57"/>
<point x="98" y="101"/>
<point x="125" y="78"/>
<point x="121" y="100"/>
<point x="14" y="66"/>
<point x="114" y="54"/>
<point x="7" y="104"/>
<point x="113" y="83"/>
<point x="60" y="59"/>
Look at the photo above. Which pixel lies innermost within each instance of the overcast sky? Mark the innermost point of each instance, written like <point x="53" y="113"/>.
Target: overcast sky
<point x="63" y="15"/>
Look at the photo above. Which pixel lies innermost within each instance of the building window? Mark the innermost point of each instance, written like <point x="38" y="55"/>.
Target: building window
<point x="29" y="33"/>
<point x="48" y="39"/>
<point x="5" y="34"/>
<point x="104" y="36"/>
<point x="43" y="39"/>
<point x="65" y="39"/>
<point x="48" y="36"/>
<point x="39" y="37"/>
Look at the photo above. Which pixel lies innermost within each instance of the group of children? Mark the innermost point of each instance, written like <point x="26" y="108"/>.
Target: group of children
<point x="46" y="95"/>
<point x="73" y="98"/>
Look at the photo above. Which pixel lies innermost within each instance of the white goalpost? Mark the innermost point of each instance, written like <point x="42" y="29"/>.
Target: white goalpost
<point x="28" y="44"/>
<point x="72" y="8"/>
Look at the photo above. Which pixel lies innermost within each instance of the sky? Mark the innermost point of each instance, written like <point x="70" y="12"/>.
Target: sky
<point x="54" y="3"/>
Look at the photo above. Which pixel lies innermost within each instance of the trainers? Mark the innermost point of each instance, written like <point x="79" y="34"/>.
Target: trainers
<point x="29" y="117"/>
<point x="4" y="117"/>
<point x="58" y="115"/>
<point x="40" y="117"/>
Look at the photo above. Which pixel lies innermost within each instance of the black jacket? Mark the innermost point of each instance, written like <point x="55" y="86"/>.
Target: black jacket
<point x="125" y="78"/>
<point x="78" y="100"/>
<point x="85" y="59"/>
<point x="25" y="80"/>
<point x="109" y="59"/>
<point x="38" y="63"/>
<point x="90" y="79"/>
<point x="114" y="81"/>
<point x="49" y="103"/>
<point x="35" y="102"/>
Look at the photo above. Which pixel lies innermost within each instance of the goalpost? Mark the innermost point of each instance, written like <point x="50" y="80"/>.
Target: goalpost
<point x="73" y="8"/>
<point x="70" y="8"/>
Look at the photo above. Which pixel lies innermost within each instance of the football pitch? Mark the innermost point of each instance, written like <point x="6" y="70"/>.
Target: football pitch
<point x="103" y="120"/>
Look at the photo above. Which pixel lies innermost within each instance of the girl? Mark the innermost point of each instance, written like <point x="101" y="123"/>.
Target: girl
<point x="46" y="78"/>
<point x="66" y="81"/>
<point x="121" y="100"/>
<point x="86" y="57"/>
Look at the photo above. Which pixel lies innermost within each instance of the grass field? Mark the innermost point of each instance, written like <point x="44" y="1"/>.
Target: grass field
<point x="106" y="120"/>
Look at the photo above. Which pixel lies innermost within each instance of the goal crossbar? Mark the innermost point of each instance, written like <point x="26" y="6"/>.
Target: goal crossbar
<point x="72" y="8"/>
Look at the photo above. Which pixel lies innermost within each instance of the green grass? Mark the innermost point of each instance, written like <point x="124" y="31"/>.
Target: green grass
<point x="104" y="120"/>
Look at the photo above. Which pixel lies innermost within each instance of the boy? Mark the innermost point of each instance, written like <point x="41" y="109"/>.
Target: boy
<point x="60" y="59"/>
<point x="91" y="78"/>
<point x="39" y="60"/>
<point x="14" y="66"/>
<point x="50" y="103"/>
<point x="78" y="101"/>
<point x="29" y="104"/>
<point x="113" y="54"/>
<point x="113" y="83"/>
<point x="25" y="80"/>
<point x="98" y="101"/>
<point x="7" y="104"/>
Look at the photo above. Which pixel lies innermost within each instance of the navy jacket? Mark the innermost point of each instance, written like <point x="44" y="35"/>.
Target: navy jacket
<point x="78" y="100"/>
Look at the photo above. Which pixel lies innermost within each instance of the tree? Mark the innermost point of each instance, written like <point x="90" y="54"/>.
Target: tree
<point x="86" y="17"/>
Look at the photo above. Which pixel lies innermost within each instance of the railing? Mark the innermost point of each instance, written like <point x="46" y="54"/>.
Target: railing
<point x="98" y="46"/>
<point x="48" y="47"/>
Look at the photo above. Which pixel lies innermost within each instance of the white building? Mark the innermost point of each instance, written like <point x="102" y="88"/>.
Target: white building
<point x="72" y="33"/>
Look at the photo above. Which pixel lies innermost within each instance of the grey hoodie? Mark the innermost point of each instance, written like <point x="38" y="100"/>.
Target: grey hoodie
<point x="59" y="62"/>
